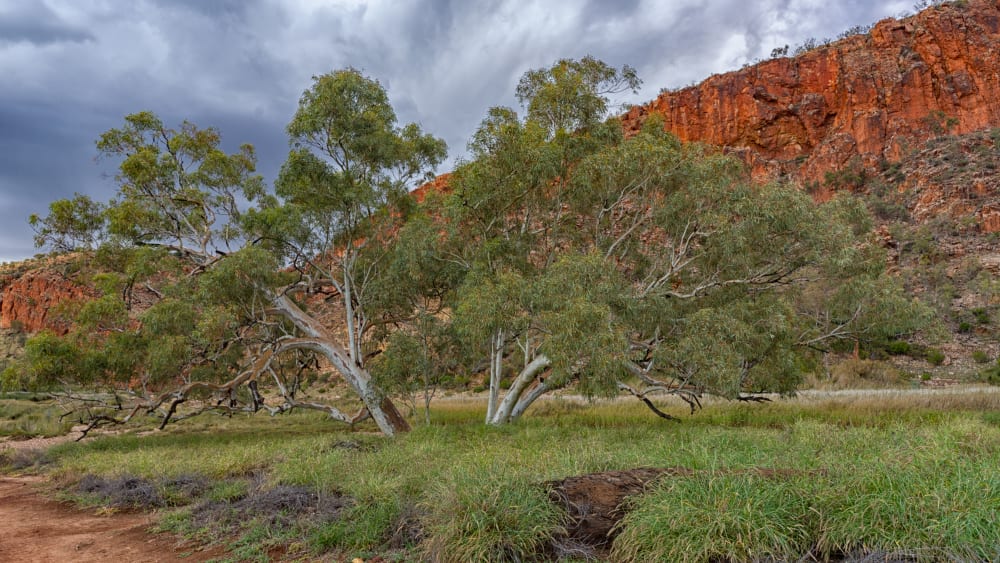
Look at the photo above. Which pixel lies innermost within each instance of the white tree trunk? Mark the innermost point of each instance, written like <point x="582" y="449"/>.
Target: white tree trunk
<point x="382" y="411"/>
<point x="503" y="413"/>
<point x="526" y="401"/>
<point x="352" y="345"/>
<point x="496" y="372"/>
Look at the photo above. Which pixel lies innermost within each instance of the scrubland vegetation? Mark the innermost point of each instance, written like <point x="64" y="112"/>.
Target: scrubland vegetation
<point x="907" y="474"/>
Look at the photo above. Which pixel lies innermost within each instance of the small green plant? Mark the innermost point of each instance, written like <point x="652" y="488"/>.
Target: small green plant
<point x="980" y="357"/>
<point x="991" y="374"/>
<point x="965" y="327"/>
<point x="898" y="347"/>
<point x="934" y="356"/>
<point x="982" y="315"/>
<point x="227" y="491"/>
<point x="940" y="123"/>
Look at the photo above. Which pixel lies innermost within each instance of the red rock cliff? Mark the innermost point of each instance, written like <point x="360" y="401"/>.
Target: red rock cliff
<point x="871" y="96"/>
<point x="32" y="299"/>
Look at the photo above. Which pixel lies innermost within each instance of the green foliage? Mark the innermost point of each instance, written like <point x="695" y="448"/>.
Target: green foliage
<point x="571" y="96"/>
<point x="663" y="243"/>
<point x="176" y="186"/>
<point x="72" y="224"/>
<point x="991" y="374"/>
<point x="939" y="122"/>
<point x="852" y="177"/>
<point x="980" y="357"/>
<point x="934" y="356"/>
<point x="898" y="348"/>
<point x="193" y="236"/>
<point x="48" y="360"/>
<point x="348" y="161"/>
<point x="982" y="315"/>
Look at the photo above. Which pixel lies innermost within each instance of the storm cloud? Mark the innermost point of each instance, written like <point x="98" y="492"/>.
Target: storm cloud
<point x="71" y="69"/>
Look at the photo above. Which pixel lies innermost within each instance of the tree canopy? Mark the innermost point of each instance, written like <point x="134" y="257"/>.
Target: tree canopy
<point x="241" y="289"/>
<point x="642" y="264"/>
<point x="561" y="254"/>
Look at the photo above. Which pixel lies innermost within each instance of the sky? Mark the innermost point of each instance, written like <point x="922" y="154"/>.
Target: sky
<point x="72" y="69"/>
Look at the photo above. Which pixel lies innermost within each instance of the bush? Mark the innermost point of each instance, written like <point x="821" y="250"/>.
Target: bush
<point x="982" y="316"/>
<point x="934" y="356"/>
<point x="898" y="347"/>
<point x="980" y="357"/>
<point x="991" y="374"/>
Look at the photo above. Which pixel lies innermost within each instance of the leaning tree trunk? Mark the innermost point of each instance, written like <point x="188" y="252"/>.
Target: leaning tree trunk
<point x="515" y="402"/>
<point x="381" y="408"/>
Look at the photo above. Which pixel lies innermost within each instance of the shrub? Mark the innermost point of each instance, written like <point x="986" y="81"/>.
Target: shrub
<point x="982" y="315"/>
<point x="898" y="347"/>
<point x="991" y="374"/>
<point x="934" y="356"/>
<point x="980" y="357"/>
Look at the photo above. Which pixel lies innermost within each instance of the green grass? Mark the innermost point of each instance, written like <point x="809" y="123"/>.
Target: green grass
<point x="25" y="418"/>
<point x="728" y="516"/>
<point x="914" y="473"/>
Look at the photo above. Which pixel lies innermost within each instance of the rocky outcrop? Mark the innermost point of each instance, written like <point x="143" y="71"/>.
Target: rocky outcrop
<point x="35" y="298"/>
<point x="870" y="97"/>
<point x="956" y="176"/>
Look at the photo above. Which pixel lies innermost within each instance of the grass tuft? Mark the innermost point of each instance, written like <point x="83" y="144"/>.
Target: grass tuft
<point x="488" y="514"/>
<point x="719" y="517"/>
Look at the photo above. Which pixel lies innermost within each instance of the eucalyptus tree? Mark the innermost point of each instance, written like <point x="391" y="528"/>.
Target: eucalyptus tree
<point x="228" y="270"/>
<point x="642" y="264"/>
<point x="507" y="214"/>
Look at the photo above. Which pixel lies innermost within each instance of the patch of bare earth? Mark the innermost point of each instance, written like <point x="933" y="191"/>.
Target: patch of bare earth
<point x="37" y="529"/>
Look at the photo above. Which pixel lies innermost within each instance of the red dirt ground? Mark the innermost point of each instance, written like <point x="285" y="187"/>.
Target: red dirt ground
<point x="36" y="530"/>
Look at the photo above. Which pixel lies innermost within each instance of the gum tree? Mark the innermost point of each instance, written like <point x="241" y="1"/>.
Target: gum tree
<point x="243" y="289"/>
<point x="642" y="265"/>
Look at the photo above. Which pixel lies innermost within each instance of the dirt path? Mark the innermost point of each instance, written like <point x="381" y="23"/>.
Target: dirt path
<point x="37" y="530"/>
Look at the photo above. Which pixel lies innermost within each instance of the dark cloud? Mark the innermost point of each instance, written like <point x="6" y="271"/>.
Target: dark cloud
<point x="36" y="23"/>
<point x="73" y="68"/>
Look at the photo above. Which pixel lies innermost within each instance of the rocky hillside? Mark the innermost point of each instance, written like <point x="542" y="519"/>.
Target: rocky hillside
<point x="906" y="116"/>
<point x="33" y="293"/>
<point x="868" y="99"/>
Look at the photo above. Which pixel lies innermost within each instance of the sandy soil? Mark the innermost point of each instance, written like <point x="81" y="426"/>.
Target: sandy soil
<point x="40" y="443"/>
<point x="37" y="530"/>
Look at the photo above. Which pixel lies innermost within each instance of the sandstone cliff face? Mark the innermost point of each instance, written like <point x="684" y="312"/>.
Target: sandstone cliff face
<point x="32" y="299"/>
<point x="870" y="97"/>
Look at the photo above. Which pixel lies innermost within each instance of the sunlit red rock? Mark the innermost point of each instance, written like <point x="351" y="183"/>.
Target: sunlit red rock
<point x="36" y="299"/>
<point x="869" y="97"/>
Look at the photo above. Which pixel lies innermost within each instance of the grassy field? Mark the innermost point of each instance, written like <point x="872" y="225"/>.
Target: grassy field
<point x="908" y="474"/>
<point x="27" y="415"/>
